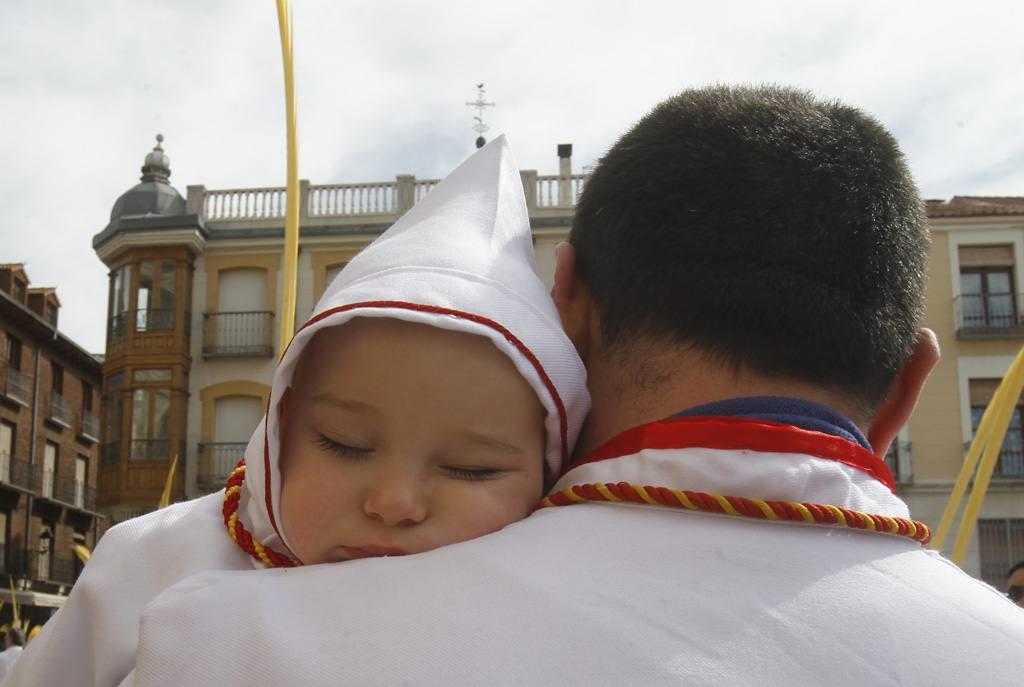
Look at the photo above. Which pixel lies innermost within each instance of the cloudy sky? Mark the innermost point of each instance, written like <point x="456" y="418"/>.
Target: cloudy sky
<point x="84" y="86"/>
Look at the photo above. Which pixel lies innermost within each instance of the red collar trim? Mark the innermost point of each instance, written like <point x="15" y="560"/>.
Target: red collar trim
<point x="734" y="433"/>
<point x="563" y="420"/>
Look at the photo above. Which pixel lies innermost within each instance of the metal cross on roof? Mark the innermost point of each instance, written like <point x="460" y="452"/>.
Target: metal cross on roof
<point x="480" y="105"/>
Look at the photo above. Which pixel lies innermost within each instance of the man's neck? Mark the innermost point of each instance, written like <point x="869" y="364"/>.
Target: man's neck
<point x="656" y="385"/>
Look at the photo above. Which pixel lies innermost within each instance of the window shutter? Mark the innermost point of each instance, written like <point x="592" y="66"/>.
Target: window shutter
<point x="986" y="256"/>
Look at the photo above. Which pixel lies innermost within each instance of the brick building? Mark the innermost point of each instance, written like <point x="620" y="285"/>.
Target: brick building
<point x="49" y="449"/>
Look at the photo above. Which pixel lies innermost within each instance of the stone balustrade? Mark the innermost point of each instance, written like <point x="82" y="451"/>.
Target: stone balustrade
<point x="371" y="200"/>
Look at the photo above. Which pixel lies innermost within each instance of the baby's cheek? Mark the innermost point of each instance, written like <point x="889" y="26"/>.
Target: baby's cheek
<point x="498" y="510"/>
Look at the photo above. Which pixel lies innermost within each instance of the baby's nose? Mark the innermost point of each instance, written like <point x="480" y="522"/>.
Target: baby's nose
<point x="396" y="501"/>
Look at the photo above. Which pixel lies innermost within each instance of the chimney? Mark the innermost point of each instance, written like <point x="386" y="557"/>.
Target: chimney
<point x="564" y="174"/>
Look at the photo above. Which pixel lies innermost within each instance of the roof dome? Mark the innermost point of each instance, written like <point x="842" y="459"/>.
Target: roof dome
<point x="154" y="195"/>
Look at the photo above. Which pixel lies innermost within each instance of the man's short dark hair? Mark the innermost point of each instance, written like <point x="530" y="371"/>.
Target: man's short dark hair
<point x="1019" y="565"/>
<point x="768" y="228"/>
<point x="16" y="636"/>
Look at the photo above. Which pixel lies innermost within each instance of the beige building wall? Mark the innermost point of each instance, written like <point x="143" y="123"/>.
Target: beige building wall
<point x="940" y="428"/>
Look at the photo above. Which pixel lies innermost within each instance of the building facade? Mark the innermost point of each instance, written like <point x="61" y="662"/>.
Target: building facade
<point x="196" y="288"/>
<point x="49" y="449"/>
<point x="974" y="307"/>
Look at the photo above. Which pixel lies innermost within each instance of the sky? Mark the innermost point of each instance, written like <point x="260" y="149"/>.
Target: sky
<point x="382" y="87"/>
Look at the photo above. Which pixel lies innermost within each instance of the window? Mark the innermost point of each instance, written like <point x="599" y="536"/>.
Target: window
<point x="56" y="378"/>
<point x="1011" y="458"/>
<point x="87" y="396"/>
<point x="151" y="424"/>
<point x="120" y="290"/>
<point x="155" y="375"/>
<point x="7" y="432"/>
<point x="155" y="299"/>
<point x="12" y="352"/>
<point x="50" y="312"/>
<point x="113" y="424"/>
<point x="49" y="469"/>
<point x="115" y="380"/>
<point x="1001" y="543"/>
<point x="81" y="475"/>
<point x="986" y="287"/>
<point x="20" y="288"/>
<point x="45" y="550"/>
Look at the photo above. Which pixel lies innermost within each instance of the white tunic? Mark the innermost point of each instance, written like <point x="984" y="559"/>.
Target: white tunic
<point x="616" y="594"/>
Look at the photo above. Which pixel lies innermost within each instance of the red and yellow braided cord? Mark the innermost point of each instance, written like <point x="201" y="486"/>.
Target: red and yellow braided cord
<point x="739" y="506"/>
<point x="240" y="535"/>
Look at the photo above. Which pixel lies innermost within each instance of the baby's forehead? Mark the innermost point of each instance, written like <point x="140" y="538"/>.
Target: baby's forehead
<point x="346" y="349"/>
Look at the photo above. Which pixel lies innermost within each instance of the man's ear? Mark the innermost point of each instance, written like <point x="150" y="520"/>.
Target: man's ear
<point x="899" y="404"/>
<point x="572" y="299"/>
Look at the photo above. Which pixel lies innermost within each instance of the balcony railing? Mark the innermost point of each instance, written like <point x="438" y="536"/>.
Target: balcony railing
<point x="46" y="483"/>
<point x="89" y="426"/>
<point x="150" y="449"/>
<point x="216" y="461"/>
<point x="75" y="493"/>
<point x="15" y="385"/>
<point x="14" y="471"/>
<point x="149" y="320"/>
<point x="238" y="334"/>
<point x="154" y="320"/>
<point x="372" y="200"/>
<point x="988" y="314"/>
<point x="58" y="409"/>
<point x="43" y="567"/>
<point x="62" y="571"/>
<point x="116" y="326"/>
<point x="1011" y="464"/>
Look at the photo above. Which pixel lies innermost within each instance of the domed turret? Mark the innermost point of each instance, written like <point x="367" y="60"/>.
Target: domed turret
<point x="154" y="195"/>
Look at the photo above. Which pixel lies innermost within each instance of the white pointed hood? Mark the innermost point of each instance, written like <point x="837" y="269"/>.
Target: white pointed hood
<point x="462" y="259"/>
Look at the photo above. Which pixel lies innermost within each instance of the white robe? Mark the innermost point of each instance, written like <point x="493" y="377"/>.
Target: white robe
<point x="613" y="594"/>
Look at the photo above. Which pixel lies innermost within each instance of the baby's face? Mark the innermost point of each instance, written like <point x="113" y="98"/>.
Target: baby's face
<point x="398" y="438"/>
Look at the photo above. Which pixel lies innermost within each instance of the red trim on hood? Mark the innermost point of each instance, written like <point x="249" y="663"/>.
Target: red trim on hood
<point x="563" y="422"/>
<point x="735" y="433"/>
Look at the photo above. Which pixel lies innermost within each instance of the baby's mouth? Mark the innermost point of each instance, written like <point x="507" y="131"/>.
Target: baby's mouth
<point x="353" y="552"/>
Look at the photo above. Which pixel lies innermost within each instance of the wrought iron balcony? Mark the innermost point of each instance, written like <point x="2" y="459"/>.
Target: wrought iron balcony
<point x="58" y="409"/>
<point x="988" y="315"/>
<point x="15" y="386"/>
<point x="89" y="426"/>
<point x="153" y="320"/>
<point x="62" y="571"/>
<point x="1010" y="465"/>
<point x="75" y="493"/>
<point x="116" y="325"/>
<point x="216" y="461"/>
<point x="148" y="320"/>
<point x="14" y="471"/>
<point x="238" y="334"/>
<point x="150" y="449"/>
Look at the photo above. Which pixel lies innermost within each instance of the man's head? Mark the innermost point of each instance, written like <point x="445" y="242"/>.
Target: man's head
<point x="1015" y="584"/>
<point x="759" y="229"/>
<point x="14" y="637"/>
